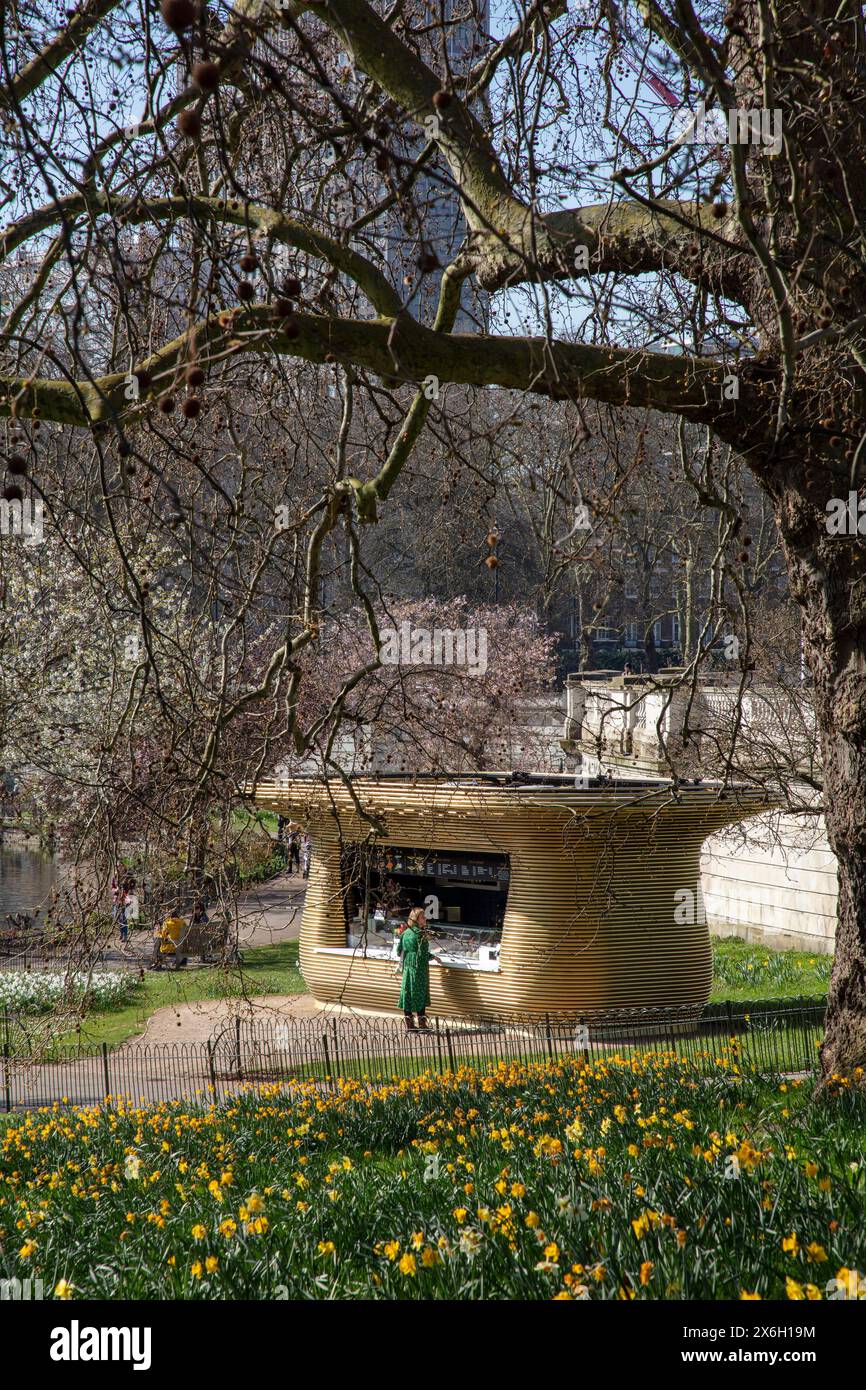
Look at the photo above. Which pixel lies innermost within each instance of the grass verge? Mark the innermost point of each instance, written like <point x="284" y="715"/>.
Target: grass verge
<point x="742" y="971"/>
<point x="265" y="970"/>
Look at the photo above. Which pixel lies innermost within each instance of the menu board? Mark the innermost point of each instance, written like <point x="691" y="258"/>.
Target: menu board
<point x="416" y="863"/>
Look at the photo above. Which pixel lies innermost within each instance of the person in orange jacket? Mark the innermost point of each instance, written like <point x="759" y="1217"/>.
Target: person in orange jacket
<point x="168" y="940"/>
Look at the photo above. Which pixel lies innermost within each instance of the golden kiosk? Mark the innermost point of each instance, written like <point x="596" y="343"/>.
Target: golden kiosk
<point x="544" y="897"/>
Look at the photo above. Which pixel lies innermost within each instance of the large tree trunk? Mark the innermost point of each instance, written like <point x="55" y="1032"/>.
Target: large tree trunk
<point x="843" y="724"/>
<point x="844" y="1046"/>
<point x="829" y="581"/>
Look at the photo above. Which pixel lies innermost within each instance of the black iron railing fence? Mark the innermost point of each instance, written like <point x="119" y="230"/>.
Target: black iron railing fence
<point x="766" y="1038"/>
<point x="37" y="958"/>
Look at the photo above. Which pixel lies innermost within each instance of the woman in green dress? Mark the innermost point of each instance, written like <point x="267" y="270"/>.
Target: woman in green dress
<point x="413" y="948"/>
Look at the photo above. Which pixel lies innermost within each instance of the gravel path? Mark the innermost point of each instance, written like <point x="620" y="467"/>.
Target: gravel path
<point x="207" y="1019"/>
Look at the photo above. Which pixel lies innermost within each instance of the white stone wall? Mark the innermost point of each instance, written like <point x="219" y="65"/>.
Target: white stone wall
<point x="534" y="745"/>
<point x="772" y="880"/>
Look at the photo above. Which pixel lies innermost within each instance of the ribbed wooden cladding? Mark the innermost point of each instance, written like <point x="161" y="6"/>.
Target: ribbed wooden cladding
<point x="590" y="919"/>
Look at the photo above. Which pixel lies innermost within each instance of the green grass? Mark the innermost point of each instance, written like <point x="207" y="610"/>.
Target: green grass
<point x="247" y="816"/>
<point x="742" y="971"/>
<point x="265" y="970"/>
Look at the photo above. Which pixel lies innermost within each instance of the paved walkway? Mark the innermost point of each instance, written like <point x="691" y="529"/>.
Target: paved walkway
<point x="208" y="1019"/>
<point x="268" y="913"/>
<point x="271" y="912"/>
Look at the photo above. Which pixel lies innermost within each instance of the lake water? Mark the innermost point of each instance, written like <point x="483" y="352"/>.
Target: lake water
<point x="26" y="879"/>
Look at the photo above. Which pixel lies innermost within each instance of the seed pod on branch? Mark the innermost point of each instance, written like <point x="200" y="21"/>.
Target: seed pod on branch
<point x="206" y="77"/>
<point x="189" y="124"/>
<point x="179" y="14"/>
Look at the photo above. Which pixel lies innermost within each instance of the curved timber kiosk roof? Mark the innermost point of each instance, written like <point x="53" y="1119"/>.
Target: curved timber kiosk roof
<point x="603" y="908"/>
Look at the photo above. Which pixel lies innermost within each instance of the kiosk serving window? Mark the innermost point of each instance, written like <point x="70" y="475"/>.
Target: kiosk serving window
<point x="463" y="894"/>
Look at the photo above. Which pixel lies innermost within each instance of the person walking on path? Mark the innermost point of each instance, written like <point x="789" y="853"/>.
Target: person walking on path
<point x="128" y="907"/>
<point x="413" y="949"/>
<point x="306" y="854"/>
<point x="295" y="851"/>
<point x="117" y="896"/>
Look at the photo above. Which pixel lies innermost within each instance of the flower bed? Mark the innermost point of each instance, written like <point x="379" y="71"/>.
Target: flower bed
<point x="629" y="1178"/>
<point x="38" y="991"/>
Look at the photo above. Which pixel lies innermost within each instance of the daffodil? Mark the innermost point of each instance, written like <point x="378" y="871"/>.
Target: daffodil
<point x="470" y="1241"/>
